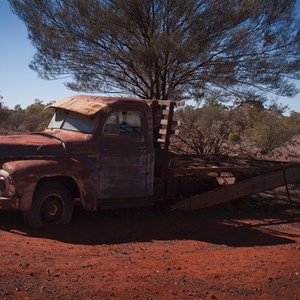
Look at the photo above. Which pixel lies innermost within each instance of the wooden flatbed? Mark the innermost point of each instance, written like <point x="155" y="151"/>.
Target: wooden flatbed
<point x="236" y="177"/>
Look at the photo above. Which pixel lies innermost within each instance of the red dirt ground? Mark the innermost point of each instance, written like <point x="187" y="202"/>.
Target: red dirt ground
<point x="249" y="252"/>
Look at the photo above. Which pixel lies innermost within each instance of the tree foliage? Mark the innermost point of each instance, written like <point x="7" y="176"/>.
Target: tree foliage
<point x="166" y="49"/>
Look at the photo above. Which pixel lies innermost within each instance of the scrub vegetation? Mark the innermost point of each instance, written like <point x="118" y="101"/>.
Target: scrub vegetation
<point x="251" y="128"/>
<point x="18" y="120"/>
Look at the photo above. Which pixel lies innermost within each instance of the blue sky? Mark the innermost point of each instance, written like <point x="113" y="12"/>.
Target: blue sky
<point x="20" y="85"/>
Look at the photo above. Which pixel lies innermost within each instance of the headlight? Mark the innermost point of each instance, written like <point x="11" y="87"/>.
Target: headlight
<point x="6" y="184"/>
<point x="3" y="185"/>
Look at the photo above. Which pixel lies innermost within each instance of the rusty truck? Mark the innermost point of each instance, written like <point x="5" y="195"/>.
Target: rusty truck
<point x="109" y="152"/>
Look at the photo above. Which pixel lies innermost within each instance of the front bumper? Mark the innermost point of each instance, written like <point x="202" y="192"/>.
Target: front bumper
<point x="9" y="203"/>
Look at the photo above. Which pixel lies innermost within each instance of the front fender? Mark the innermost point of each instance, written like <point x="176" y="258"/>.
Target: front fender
<point x="26" y="174"/>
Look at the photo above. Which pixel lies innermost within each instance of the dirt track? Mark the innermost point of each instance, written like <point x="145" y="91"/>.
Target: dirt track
<point x="245" y="253"/>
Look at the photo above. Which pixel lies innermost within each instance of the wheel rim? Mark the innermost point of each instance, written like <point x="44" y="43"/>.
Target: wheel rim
<point x="51" y="208"/>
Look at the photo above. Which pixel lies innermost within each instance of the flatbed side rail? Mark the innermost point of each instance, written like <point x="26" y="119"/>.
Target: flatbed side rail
<point x="268" y="181"/>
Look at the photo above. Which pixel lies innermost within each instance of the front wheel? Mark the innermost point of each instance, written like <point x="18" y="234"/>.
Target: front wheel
<point x="51" y="204"/>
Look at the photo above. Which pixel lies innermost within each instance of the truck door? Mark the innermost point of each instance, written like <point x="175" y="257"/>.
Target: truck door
<point x="123" y="164"/>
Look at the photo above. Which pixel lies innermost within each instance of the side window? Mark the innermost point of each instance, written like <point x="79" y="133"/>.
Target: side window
<point x="123" y="123"/>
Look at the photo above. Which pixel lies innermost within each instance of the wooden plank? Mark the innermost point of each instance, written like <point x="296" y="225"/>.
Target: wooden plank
<point x="234" y="164"/>
<point x="168" y="132"/>
<point x="240" y="189"/>
<point x="228" y="161"/>
<point x="205" y="170"/>
<point x="165" y="102"/>
<point x="174" y="122"/>
<point x="164" y="131"/>
<point x="233" y="169"/>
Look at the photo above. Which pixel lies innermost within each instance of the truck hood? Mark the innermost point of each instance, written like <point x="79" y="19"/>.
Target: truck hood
<point x="31" y="145"/>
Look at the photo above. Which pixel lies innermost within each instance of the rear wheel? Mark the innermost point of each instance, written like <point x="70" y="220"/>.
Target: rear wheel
<point x="51" y="204"/>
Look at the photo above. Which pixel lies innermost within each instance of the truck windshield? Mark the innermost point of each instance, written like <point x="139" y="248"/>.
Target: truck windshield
<point x="63" y="119"/>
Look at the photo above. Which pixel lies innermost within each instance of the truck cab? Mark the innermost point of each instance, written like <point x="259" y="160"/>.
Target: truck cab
<point x="97" y="150"/>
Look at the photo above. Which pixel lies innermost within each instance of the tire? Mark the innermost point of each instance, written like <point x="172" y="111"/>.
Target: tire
<point x="51" y="204"/>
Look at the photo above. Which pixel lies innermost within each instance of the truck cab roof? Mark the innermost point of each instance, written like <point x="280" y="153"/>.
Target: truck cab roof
<point x="90" y="105"/>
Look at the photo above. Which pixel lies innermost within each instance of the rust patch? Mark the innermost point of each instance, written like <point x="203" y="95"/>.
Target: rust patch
<point x="89" y="105"/>
<point x="29" y="146"/>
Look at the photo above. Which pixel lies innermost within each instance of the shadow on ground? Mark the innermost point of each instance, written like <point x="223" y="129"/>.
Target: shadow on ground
<point x="243" y="227"/>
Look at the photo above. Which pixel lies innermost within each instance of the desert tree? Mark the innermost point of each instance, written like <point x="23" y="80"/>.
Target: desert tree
<point x="4" y="112"/>
<point x="204" y="130"/>
<point x="165" y="48"/>
<point x="36" y="117"/>
<point x="18" y="108"/>
<point x="1" y="103"/>
<point x="271" y="131"/>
